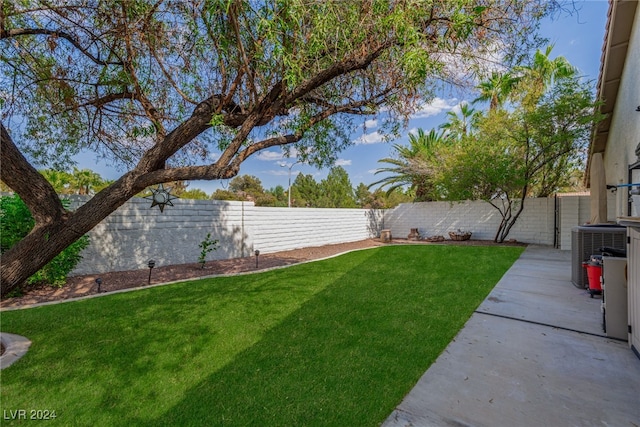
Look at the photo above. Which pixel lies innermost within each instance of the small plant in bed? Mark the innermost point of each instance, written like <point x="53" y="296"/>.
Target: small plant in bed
<point x="206" y="246"/>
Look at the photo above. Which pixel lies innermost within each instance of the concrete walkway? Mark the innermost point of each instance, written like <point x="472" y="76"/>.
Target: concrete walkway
<point x="533" y="354"/>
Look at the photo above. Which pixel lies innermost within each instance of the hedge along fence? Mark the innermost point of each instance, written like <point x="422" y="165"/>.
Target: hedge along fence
<point x="135" y="233"/>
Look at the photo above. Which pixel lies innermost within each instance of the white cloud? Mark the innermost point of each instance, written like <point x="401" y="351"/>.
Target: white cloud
<point x="214" y="156"/>
<point x="293" y="153"/>
<point x="369" y="138"/>
<point x="435" y="107"/>
<point x="269" y="156"/>
<point x="372" y="123"/>
<point x="282" y="172"/>
<point x="343" y="162"/>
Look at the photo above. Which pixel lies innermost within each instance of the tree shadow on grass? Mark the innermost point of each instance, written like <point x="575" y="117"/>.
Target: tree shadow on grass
<point x="114" y="358"/>
<point x="346" y="357"/>
<point x="341" y="349"/>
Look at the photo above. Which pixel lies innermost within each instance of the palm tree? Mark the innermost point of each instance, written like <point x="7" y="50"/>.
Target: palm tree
<point x="496" y="89"/>
<point x="413" y="165"/>
<point x="460" y="125"/>
<point x="59" y="180"/>
<point x="543" y="73"/>
<point x="84" y="181"/>
<point x="548" y="70"/>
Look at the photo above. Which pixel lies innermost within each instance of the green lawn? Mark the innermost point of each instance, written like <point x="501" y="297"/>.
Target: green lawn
<point x="337" y="342"/>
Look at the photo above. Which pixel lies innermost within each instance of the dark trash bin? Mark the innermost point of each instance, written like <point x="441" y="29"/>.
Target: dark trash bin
<point x="613" y="252"/>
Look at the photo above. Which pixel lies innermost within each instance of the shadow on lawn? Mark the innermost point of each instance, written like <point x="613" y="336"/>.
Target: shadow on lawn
<point x="339" y="350"/>
<point x="346" y="357"/>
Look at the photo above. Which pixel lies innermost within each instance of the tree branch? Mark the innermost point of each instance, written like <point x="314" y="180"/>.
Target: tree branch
<point x="169" y="77"/>
<point x="226" y="169"/>
<point x="24" y="179"/>
<point x="352" y="107"/>
<point x="106" y="99"/>
<point x="150" y="110"/>
<point x="339" y="68"/>
<point x="205" y="172"/>
<point x="18" y="32"/>
<point x="265" y="110"/>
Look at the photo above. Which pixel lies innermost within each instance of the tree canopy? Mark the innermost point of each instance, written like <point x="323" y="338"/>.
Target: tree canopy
<point x="529" y="149"/>
<point x="185" y="90"/>
<point x="413" y="165"/>
<point x="528" y="144"/>
<point x="336" y="190"/>
<point x="78" y="181"/>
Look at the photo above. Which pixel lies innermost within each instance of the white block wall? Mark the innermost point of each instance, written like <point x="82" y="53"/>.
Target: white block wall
<point x="576" y="210"/>
<point x="280" y="229"/>
<point x="135" y="233"/>
<point x="572" y="213"/>
<point x="535" y="224"/>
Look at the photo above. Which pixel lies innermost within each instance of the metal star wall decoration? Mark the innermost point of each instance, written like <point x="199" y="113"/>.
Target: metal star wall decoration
<point x="161" y="197"/>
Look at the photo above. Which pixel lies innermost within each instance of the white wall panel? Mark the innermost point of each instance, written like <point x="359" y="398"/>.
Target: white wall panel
<point x="135" y="233"/>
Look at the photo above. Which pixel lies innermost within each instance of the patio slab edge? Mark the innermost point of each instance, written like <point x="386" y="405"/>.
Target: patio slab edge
<point x="15" y="346"/>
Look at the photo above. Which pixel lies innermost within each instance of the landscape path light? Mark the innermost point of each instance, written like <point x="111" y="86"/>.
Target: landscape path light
<point x="99" y="283"/>
<point x="257" y="252"/>
<point x="150" y="264"/>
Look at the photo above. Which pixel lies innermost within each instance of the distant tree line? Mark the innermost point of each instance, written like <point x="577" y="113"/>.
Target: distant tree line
<point x="335" y="191"/>
<point x="77" y="181"/>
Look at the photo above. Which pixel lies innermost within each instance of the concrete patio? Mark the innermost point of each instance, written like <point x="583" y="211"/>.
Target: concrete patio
<point x="533" y="354"/>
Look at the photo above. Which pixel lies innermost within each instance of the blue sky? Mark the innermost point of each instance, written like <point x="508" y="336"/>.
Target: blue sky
<point x="578" y="38"/>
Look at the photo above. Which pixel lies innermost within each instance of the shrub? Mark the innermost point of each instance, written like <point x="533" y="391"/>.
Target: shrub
<point x="16" y="222"/>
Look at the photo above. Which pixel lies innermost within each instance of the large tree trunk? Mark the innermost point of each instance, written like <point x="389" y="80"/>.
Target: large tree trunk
<point x="46" y="241"/>
<point x="56" y="229"/>
<point x="32" y="253"/>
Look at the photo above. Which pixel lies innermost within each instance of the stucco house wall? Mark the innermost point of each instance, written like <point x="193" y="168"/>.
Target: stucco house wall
<point x="619" y="134"/>
<point x="624" y="133"/>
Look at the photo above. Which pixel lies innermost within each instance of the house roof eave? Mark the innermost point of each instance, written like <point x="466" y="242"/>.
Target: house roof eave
<point x="620" y="19"/>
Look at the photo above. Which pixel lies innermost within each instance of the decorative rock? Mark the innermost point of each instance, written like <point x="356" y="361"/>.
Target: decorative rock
<point x="460" y="235"/>
<point x="414" y="234"/>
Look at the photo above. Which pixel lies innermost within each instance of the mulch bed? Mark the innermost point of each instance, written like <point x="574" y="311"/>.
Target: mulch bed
<point x="81" y="286"/>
